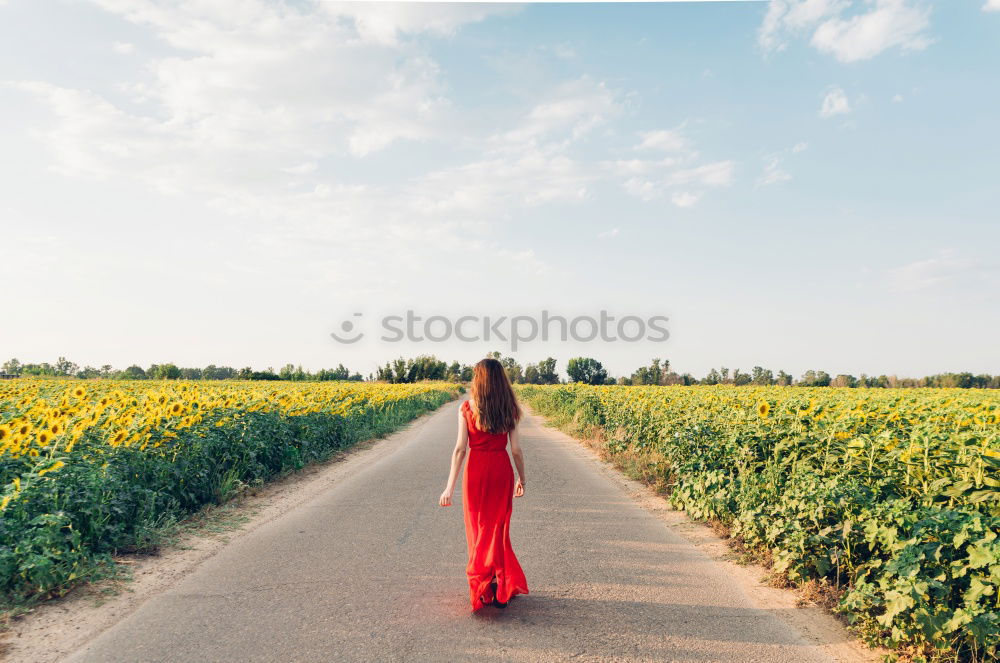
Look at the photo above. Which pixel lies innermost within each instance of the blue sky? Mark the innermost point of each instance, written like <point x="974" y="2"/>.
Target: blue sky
<point x="796" y="184"/>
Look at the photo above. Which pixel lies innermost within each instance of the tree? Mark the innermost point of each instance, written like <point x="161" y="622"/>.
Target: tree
<point x="513" y="370"/>
<point x="547" y="371"/>
<point x="761" y="376"/>
<point x="134" y="372"/>
<point x="652" y="374"/>
<point x="66" y="367"/>
<point x="399" y="370"/>
<point x="12" y="367"/>
<point x="425" y="367"/>
<point x="531" y="374"/>
<point x="454" y="372"/>
<point x="815" y="379"/>
<point x="163" y="372"/>
<point x="844" y="380"/>
<point x="586" y="370"/>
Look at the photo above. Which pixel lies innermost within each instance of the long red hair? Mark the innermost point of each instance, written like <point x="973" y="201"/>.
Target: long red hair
<point x="496" y="408"/>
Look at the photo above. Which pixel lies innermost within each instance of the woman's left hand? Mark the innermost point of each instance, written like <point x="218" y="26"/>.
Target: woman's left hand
<point x="445" y="499"/>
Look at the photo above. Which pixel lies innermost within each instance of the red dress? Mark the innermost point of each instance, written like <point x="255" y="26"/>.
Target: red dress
<point x="487" y="501"/>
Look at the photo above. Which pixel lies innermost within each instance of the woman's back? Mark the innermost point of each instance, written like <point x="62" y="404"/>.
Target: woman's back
<point x="480" y="440"/>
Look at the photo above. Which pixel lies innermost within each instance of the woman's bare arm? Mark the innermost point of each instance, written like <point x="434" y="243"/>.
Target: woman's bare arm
<point x="515" y="451"/>
<point x="457" y="457"/>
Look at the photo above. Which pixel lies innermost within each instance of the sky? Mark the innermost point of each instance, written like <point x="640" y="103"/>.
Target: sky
<point x="795" y="184"/>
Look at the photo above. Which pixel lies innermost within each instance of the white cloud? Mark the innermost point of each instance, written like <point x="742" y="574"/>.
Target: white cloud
<point x="773" y="173"/>
<point x="572" y="110"/>
<point x="992" y="6"/>
<point x="302" y="168"/>
<point x="849" y="30"/>
<point x="261" y="102"/>
<point x="897" y="98"/>
<point x="799" y="147"/>
<point x="685" y="198"/>
<point x="639" y="166"/>
<point x="942" y="270"/>
<point x="642" y="189"/>
<point x="663" y="139"/>
<point x="835" y="103"/>
<point x="608" y="234"/>
<point x="561" y="51"/>
<point x="358" y="85"/>
<point x="123" y="47"/>
<point x="719" y="173"/>
<point x="678" y="177"/>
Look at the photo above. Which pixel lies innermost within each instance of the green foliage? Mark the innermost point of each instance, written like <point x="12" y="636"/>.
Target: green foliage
<point x="891" y="497"/>
<point x="65" y="526"/>
<point x="586" y="370"/>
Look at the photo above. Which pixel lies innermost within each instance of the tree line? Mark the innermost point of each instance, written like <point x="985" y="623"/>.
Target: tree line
<point x="169" y="371"/>
<point x="578" y="369"/>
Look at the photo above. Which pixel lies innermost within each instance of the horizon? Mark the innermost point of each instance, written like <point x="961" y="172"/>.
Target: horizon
<point x="561" y="371"/>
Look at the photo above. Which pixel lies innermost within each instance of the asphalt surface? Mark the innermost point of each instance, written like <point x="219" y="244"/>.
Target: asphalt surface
<point x="374" y="570"/>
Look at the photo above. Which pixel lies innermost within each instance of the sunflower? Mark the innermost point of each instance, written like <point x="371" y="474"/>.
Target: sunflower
<point x="52" y="468"/>
<point x="4" y="433"/>
<point x="763" y="410"/>
<point x="79" y="392"/>
<point x="44" y="438"/>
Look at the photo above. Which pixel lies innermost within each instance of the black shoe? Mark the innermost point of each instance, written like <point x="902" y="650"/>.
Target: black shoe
<point x="494" y="586"/>
<point x="496" y="603"/>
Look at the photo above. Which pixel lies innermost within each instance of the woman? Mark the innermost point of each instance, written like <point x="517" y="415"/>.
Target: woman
<point x="485" y="423"/>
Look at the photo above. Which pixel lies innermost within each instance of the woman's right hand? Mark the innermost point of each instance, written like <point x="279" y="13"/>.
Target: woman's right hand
<point x="518" y="488"/>
<point x="445" y="499"/>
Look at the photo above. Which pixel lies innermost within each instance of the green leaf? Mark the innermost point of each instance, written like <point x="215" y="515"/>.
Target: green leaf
<point x="896" y="602"/>
<point x="958" y="619"/>
<point x="958" y="489"/>
<point x="977" y="590"/>
<point x="981" y="555"/>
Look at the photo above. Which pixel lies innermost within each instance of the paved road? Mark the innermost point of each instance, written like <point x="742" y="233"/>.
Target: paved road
<point x="374" y="570"/>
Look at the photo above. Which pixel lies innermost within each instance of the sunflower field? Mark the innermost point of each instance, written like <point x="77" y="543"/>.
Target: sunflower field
<point x="91" y="468"/>
<point x="889" y="496"/>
